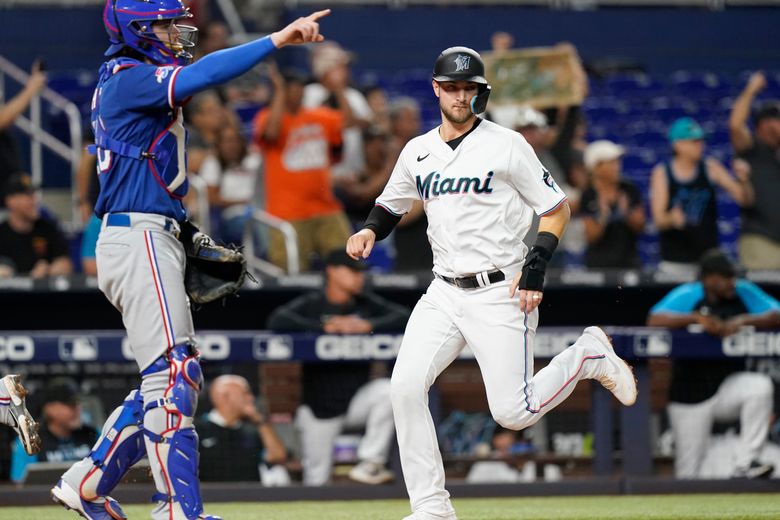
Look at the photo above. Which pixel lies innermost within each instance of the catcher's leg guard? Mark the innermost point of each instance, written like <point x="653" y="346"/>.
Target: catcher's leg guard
<point x="86" y="485"/>
<point x="170" y="387"/>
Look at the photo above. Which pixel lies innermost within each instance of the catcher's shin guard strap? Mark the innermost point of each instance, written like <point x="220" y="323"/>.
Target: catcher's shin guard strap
<point x="120" y="446"/>
<point x="181" y="465"/>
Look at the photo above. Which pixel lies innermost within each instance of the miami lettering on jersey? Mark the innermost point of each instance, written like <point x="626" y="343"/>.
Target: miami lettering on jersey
<point x="433" y="185"/>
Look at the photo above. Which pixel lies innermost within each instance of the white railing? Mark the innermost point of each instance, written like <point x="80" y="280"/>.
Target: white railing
<point x="40" y="138"/>
<point x="254" y="261"/>
<point x="201" y="189"/>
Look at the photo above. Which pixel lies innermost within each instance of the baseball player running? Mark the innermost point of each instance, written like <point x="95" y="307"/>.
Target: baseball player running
<point x="479" y="184"/>
<point x="140" y="139"/>
<point x="13" y="412"/>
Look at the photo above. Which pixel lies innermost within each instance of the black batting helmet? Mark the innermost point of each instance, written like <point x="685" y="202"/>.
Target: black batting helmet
<point x="464" y="64"/>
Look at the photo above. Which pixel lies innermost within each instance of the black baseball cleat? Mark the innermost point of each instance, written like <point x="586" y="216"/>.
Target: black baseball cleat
<point x="23" y="423"/>
<point x="756" y="469"/>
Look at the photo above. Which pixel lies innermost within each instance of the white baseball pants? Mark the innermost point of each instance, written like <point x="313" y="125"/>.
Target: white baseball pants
<point x="369" y="408"/>
<point x="446" y="319"/>
<point x="746" y="396"/>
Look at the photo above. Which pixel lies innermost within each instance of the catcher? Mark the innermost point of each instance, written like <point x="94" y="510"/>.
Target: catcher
<point x="142" y="265"/>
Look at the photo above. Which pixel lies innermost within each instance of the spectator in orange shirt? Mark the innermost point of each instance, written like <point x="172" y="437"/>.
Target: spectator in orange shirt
<point x="299" y="146"/>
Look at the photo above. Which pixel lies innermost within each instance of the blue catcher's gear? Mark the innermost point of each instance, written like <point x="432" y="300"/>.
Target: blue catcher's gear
<point x="120" y="446"/>
<point x="104" y="508"/>
<point x="129" y="24"/>
<point x="85" y="487"/>
<point x="171" y="440"/>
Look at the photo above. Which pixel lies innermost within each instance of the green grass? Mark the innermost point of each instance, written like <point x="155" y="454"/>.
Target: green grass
<point x="659" y="507"/>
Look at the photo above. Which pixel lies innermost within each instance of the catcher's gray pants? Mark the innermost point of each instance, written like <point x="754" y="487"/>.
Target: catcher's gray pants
<point x="141" y="266"/>
<point x="369" y="407"/>
<point x="746" y="396"/>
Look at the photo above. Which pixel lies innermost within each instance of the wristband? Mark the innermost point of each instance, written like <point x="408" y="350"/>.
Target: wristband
<point x="381" y="222"/>
<point x="532" y="277"/>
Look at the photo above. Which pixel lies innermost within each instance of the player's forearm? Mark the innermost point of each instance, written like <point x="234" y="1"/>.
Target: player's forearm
<point x="740" y="134"/>
<point x="221" y="66"/>
<point x="556" y="223"/>
<point x="345" y="109"/>
<point x="288" y="320"/>
<point x="275" y="452"/>
<point x="381" y="222"/>
<point x="767" y="320"/>
<point x="273" y="125"/>
<point x="388" y="317"/>
<point x="741" y="109"/>
<point x="672" y="321"/>
<point x="60" y="266"/>
<point x="636" y="219"/>
<point x="14" y="108"/>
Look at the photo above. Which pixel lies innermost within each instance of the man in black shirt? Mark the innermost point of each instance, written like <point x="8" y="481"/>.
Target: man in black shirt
<point x="336" y="395"/>
<point x="29" y="244"/>
<point x="63" y="436"/>
<point x="235" y="438"/>
<point x="704" y="391"/>
<point x="759" y="244"/>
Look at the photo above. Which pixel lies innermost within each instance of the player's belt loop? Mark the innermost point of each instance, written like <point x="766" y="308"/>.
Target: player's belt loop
<point x="482" y="279"/>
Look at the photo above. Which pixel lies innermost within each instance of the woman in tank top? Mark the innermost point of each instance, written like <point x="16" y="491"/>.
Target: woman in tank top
<point x="684" y="199"/>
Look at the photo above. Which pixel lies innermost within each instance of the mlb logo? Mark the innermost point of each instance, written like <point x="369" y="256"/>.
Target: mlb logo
<point x="78" y="348"/>
<point x="272" y="347"/>
<point x="653" y="344"/>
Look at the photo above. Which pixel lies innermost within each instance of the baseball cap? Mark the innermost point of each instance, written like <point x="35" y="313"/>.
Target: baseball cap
<point x="527" y="117"/>
<point x="19" y="183"/>
<point x="768" y="110"/>
<point x="340" y="257"/>
<point x="601" y="151"/>
<point x="685" y="129"/>
<point x="715" y="261"/>
<point x="61" y="390"/>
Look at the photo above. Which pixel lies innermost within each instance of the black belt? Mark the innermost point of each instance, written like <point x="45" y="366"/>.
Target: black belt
<point x="472" y="282"/>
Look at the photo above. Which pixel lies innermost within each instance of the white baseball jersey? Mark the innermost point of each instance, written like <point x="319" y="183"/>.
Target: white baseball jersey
<point x="478" y="198"/>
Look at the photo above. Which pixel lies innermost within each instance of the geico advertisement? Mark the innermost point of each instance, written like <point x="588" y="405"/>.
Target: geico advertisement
<point x="752" y="344"/>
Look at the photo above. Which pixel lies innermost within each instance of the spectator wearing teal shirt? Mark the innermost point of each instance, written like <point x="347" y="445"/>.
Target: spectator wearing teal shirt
<point x="89" y="246"/>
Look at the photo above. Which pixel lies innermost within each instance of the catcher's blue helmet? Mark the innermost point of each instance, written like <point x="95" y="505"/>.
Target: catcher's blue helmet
<point x="129" y="24"/>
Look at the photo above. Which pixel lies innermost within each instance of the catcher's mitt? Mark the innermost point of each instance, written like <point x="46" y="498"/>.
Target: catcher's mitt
<point x="213" y="271"/>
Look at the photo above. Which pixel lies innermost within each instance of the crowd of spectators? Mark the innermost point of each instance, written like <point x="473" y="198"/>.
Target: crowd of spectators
<point x="308" y="146"/>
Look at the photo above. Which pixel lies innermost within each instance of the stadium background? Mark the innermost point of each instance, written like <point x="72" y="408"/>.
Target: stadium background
<point x="646" y="63"/>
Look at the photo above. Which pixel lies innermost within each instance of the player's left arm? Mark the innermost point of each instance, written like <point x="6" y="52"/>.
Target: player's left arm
<point x="536" y="186"/>
<point x="530" y="280"/>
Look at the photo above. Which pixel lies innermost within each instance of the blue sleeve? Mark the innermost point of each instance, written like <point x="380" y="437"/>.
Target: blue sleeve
<point x="90" y="238"/>
<point x="680" y="300"/>
<point x="755" y="299"/>
<point x="147" y="86"/>
<point x="19" y="461"/>
<point x="219" y="67"/>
